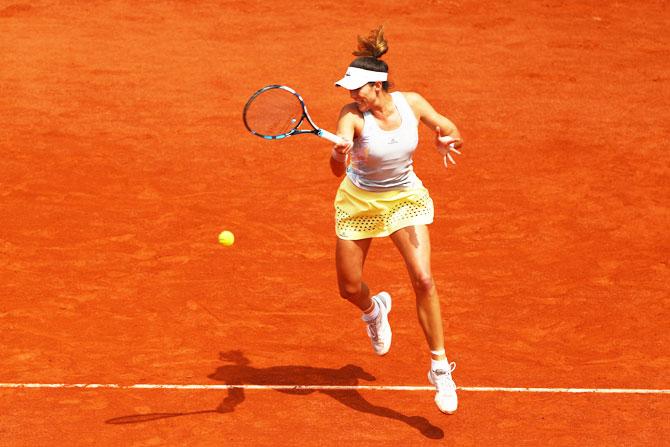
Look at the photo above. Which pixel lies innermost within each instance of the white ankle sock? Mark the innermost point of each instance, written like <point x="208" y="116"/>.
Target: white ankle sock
<point x="374" y="314"/>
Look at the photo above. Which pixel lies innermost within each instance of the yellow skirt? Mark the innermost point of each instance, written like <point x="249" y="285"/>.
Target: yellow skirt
<point x="361" y="214"/>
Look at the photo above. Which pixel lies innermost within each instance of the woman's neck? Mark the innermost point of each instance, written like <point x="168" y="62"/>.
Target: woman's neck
<point x="384" y="107"/>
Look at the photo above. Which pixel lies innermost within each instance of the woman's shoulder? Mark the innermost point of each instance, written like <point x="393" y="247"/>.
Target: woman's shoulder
<point x="412" y="97"/>
<point x="417" y="103"/>
<point x="351" y="110"/>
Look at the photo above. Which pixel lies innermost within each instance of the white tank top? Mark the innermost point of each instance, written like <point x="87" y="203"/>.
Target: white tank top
<point x="381" y="160"/>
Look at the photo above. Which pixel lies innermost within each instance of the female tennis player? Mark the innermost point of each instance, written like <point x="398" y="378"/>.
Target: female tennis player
<point x="381" y="196"/>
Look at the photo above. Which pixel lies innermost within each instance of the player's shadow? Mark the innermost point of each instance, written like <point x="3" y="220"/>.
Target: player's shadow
<point x="238" y="371"/>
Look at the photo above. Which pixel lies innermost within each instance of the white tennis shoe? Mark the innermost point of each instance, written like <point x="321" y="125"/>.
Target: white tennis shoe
<point x="379" y="329"/>
<point x="445" y="397"/>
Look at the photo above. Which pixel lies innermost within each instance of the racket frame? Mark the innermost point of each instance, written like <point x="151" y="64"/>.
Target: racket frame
<point x="316" y="130"/>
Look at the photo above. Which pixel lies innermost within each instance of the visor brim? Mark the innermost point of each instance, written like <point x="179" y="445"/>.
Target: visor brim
<point x="350" y="83"/>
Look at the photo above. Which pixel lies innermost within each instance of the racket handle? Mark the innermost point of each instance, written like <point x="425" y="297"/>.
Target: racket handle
<point x="330" y="137"/>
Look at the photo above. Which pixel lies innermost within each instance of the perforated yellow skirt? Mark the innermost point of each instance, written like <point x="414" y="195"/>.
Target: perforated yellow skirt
<point x="361" y="214"/>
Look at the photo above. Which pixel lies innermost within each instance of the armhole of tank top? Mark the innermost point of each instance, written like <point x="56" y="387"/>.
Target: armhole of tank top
<point x="411" y="111"/>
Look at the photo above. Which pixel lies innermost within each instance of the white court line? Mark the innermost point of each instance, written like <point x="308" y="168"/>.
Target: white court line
<point x="154" y="386"/>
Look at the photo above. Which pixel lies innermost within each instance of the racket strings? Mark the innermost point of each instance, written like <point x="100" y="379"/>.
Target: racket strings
<point x="274" y="112"/>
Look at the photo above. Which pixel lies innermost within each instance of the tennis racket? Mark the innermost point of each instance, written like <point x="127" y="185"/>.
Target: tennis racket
<point x="277" y="111"/>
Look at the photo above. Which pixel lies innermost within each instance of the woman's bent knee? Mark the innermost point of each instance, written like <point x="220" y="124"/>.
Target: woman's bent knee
<point x="350" y="291"/>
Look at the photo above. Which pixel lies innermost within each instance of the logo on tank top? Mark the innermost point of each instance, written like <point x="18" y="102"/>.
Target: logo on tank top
<point x="393" y="141"/>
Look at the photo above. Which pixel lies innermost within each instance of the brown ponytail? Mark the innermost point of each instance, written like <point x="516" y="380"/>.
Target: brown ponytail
<point x="374" y="45"/>
<point x="370" y="50"/>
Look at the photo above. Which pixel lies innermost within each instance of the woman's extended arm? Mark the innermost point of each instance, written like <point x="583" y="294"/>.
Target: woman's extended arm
<point x="346" y="130"/>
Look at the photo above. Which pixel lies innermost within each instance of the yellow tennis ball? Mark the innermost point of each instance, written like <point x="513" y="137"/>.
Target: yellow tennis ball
<point x="226" y="238"/>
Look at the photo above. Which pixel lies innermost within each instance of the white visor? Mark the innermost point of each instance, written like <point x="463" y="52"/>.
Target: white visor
<point x="358" y="77"/>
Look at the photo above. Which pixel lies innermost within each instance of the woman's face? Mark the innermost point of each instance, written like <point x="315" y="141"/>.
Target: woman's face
<point x="364" y="96"/>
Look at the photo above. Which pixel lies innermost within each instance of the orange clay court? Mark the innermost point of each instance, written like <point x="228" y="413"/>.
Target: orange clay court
<point x="124" y="156"/>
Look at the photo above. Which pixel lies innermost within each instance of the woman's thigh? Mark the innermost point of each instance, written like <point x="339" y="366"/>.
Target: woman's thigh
<point x="349" y="259"/>
<point x="414" y="246"/>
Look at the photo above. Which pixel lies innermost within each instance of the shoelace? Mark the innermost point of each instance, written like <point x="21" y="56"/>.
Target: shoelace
<point x="372" y="327"/>
<point x="443" y="378"/>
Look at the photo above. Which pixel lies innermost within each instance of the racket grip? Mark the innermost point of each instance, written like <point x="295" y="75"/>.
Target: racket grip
<point x="330" y="137"/>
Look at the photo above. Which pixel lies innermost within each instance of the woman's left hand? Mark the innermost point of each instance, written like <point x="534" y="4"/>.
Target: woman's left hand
<point x="447" y="145"/>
